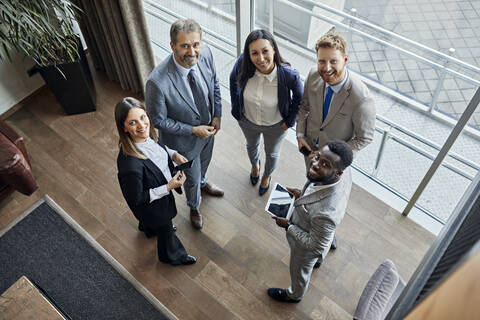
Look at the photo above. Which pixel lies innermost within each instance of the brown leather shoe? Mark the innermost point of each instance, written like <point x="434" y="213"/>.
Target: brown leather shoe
<point x="212" y="190"/>
<point x="196" y="219"/>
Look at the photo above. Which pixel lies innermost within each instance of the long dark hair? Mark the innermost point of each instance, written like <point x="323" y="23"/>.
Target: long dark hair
<point x="125" y="141"/>
<point x="248" y="68"/>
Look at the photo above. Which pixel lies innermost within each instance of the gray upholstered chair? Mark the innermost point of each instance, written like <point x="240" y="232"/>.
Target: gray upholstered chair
<point x="382" y="290"/>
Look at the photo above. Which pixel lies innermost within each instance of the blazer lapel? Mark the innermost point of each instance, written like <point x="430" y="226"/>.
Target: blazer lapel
<point x="313" y="197"/>
<point x="179" y="84"/>
<point x="207" y="75"/>
<point x="338" y="101"/>
<point x="155" y="170"/>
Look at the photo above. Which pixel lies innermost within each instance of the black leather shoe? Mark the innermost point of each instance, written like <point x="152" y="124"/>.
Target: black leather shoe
<point x="147" y="233"/>
<point x="254" y="180"/>
<point x="262" y="190"/>
<point x="333" y="246"/>
<point x="189" y="260"/>
<point x="281" y="295"/>
<point x="317" y="264"/>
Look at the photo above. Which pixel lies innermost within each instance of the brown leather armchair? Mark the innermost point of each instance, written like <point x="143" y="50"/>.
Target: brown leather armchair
<point x="15" y="170"/>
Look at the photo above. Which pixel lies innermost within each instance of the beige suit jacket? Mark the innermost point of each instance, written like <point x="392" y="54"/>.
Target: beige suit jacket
<point x="351" y="116"/>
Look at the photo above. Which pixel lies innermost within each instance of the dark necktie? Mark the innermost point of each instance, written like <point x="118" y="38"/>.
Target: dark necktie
<point x="328" y="100"/>
<point x="199" y="97"/>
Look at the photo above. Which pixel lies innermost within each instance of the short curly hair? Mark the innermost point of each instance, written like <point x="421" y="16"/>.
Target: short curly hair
<point x="332" y="40"/>
<point x="344" y="151"/>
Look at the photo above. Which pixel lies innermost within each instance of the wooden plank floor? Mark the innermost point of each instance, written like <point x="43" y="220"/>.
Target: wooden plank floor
<point x="240" y="250"/>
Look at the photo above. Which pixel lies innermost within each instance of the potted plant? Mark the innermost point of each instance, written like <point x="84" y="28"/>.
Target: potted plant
<point x="44" y="31"/>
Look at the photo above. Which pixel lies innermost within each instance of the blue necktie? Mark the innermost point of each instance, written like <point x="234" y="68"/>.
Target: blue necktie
<point x="198" y="97"/>
<point x="326" y="103"/>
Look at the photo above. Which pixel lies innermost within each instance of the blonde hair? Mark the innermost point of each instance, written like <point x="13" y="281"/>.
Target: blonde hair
<point x="125" y="142"/>
<point x="332" y="40"/>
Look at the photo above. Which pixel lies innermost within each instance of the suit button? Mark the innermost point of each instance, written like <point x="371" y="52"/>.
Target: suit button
<point x="198" y="118"/>
<point x="321" y="129"/>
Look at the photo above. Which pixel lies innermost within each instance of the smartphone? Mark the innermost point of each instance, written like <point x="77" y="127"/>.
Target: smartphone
<point x="304" y="151"/>
<point x="183" y="166"/>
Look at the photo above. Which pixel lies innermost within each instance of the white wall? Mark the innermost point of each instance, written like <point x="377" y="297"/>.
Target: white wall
<point x="15" y="85"/>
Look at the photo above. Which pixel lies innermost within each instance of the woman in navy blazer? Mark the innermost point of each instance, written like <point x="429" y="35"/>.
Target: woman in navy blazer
<point x="145" y="175"/>
<point x="265" y="96"/>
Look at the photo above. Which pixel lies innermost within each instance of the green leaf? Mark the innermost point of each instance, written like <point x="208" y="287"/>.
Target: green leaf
<point x="42" y="29"/>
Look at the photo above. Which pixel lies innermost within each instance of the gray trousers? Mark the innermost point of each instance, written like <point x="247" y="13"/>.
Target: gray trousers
<point x="196" y="174"/>
<point x="301" y="266"/>
<point x="272" y="139"/>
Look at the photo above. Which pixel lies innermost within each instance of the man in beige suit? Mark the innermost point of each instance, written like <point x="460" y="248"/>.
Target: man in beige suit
<point x="336" y="104"/>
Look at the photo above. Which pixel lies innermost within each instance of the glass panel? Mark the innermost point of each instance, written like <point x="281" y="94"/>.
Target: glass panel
<point x="454" y="97"/>
<point x="402" y="168"/>
<point x="210" y="15"/>
<point x="443" y="193"/>
<point x="365" y="160"/>
<point x="439" y="25"/>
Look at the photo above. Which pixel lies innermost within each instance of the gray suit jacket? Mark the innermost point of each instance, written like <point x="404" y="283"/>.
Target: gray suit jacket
<point x="351" y="117"/>
<point x="172" y="108"/>
<point x="317" y="215"/>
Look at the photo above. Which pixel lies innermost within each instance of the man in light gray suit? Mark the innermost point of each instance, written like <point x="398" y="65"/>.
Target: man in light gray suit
<point x="336" y="104"/>
<point x="319" y="209"/>
<point x="183" y="100"/>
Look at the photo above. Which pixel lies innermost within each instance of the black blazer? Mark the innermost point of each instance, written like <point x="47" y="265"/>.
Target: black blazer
<point x="136" y="177"/>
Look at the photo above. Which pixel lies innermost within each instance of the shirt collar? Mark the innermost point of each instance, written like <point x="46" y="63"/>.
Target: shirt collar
<point x="182" y="70"/>
<point x="317" y="187"/>
<point x="270" y="77"/>
<point x="336" y="88"/>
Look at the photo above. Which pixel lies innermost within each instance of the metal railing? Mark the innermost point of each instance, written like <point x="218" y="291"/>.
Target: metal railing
<point x="386" y="133"/>
<point x="206" y="30"/>
<point x="391" y="34"/>
<point x="448" y="59"/>
<point x="388" y="44"/>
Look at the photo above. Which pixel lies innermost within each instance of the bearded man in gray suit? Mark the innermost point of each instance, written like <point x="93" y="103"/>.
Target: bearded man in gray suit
<point x="319" y="209"/>
<point x="184" y="103"/>
<point x="336" y="104"/>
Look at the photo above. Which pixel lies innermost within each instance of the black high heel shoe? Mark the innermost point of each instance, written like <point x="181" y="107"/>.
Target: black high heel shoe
<point x="262" y="190"/>
<point x="254" y="180"/>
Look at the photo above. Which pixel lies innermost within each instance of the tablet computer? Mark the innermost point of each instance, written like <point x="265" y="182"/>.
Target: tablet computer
<point x="280" y="203"/>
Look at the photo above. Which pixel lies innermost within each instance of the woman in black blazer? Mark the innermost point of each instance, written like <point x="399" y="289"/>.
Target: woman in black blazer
<point x="145" y="175"/>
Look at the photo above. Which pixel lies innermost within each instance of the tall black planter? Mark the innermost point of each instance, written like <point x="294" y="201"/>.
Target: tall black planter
<point x="75" y="92"/>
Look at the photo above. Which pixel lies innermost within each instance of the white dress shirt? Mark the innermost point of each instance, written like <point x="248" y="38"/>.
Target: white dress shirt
<point x="159" y="157"/>
<point x="312" y="187"/>
<point x="260" y="99"/>
<point x="184" y="73"/>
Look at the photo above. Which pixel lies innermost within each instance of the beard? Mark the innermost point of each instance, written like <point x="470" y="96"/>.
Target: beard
<point x="190" y="60"/>
<point x="335" y="78"/>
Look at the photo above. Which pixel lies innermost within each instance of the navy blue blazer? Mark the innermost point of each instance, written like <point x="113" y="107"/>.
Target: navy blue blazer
<point x="290" y="92"/>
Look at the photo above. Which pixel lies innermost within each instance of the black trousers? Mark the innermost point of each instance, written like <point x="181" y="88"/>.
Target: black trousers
<point x="170" y="249"/>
